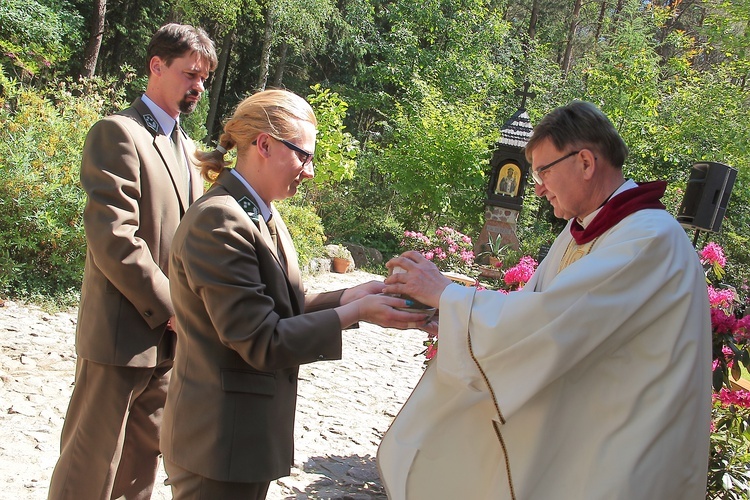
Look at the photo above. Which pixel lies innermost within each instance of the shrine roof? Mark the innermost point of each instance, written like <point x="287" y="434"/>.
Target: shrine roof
<point x="517" y="130"/>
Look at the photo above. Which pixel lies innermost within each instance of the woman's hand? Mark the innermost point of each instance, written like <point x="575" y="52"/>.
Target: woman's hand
<point x="359" y="291"/>
<point x="381" y="310"/>
<point x="416" y="277"/>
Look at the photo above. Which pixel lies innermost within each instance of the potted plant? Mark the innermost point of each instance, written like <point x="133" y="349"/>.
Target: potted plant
<point x="341" y="258"/>
<point x="495" y="251"/>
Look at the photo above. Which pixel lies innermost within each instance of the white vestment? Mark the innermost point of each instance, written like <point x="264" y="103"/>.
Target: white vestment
<point x="591" y="383"/>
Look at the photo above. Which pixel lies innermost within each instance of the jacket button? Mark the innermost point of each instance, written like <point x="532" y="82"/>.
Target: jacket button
<point x="147" y="314"/>
<point x="321" y="357"/>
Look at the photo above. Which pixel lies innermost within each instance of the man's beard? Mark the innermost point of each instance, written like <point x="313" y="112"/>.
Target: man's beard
<point x="187" y="107"/>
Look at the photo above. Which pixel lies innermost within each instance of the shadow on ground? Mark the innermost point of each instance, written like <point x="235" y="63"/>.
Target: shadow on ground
<point x="342" y="478"/>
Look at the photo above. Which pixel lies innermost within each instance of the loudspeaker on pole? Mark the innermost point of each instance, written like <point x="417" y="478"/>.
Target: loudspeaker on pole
<point x="706" y="196"/>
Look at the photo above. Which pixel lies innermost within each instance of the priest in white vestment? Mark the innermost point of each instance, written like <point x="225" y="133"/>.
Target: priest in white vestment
<point x="593" y="382"/>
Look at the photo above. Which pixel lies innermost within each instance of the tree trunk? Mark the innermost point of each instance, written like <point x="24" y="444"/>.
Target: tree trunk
<point x="566" y="60"/>
<point x="218" y="81"/>
<point x="618" y="9"/>
<point x="265" y="53"/>
<point x="600" y="22"/>
<point x="282" y="64"/>
<point x="91" y="54"/>
<point x="534" y="19"/>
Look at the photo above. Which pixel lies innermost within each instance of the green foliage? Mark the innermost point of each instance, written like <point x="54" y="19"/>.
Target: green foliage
<point x="42" y="245"/>
<point x="194" y="124"/>
<point x="37" y="35"/>
<point x="495" y="248"/>
<point x="335" y="150"/>
<point x="361" y="211"/>
<point x="304" y="227"/>
<point x="728" y="472"/>
<point x="435" y="161"/>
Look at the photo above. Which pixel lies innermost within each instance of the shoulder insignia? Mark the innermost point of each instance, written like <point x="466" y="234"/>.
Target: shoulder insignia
<point x="151" y="122"/>
<point x="250" y="208"/>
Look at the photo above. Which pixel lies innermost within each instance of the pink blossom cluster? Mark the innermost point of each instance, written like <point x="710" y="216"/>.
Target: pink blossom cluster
<point x="720" y="298"/>
<point x="431" y="345"/>
<point x="737" y="398"/>
<point x="419" y="237"/>
<point x="724" y="323"/>
<point x="728" y="358"/>
<point x="449" y="249"/>
<point x="713" y="254"/>
<point x="521" y="273"/>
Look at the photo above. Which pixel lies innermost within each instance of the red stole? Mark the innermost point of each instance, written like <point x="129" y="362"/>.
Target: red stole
<point x="646" y="195"/>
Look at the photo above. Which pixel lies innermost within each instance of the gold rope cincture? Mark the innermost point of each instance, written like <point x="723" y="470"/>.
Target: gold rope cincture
<point x="575" y="252"/>
<point x="497" y="409"/>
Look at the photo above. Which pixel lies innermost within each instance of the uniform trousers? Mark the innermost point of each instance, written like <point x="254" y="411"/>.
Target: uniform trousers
<point x="189" y="486"/>
<point x="110" y="439"/>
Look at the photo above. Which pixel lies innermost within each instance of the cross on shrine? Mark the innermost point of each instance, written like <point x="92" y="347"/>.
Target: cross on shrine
<point x="524" y="94"/>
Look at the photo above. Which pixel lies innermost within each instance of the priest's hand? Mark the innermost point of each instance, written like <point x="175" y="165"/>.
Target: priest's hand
<point x="416" y="277"/>
<point x="431" y="327"/>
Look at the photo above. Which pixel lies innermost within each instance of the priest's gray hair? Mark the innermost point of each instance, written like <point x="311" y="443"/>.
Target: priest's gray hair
<point x="579" y="125"/>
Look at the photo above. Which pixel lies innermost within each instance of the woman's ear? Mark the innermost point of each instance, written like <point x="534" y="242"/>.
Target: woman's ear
<point x="263" y="143"/>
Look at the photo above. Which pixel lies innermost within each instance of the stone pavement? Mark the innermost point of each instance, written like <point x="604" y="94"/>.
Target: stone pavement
<point x="344" y="407"/>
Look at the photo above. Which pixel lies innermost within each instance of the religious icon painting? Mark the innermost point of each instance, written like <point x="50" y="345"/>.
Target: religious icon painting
<point x="508" y="180"/>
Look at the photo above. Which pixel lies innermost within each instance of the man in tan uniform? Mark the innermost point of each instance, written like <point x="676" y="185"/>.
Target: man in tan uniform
<point x="139" y="181"/>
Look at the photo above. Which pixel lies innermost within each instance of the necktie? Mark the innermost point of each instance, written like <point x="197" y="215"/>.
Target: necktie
<point x="274" y="236"/>
<point x="179" y="153"/>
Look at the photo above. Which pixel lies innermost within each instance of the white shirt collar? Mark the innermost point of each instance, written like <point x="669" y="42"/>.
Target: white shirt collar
<point x="166" y="122"/>
<point x="628" y="184"/>
<point x="265" y="210"/>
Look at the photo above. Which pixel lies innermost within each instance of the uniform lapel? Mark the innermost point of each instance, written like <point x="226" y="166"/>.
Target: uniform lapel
<point x="290" y="254"/>
<point x="163" y="146"/>
<point x="248" y="203"/>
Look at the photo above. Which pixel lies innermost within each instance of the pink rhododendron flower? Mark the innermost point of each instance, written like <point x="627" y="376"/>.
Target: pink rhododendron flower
<point x="721" y="322"/>
<point x="521" y="273"/>
<point x="728" y="355"/>
<point x="738" y="398"/>
<point x="720" y="298"/>
<point x="431" y="351"/>
<point x="713" y="254"/>
<point x="428" y="255"/>
<point x="742" y="330"/>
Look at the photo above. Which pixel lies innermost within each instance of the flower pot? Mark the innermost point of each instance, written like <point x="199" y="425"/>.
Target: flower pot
<point x="339" y="264"/>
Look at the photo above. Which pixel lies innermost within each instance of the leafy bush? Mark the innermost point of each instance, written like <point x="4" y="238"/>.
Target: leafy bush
<point x="336" y="150"/>
<point x="728" y="471"/>
<point x="34" y="36"/>
<point x="304" y="226"/>
<point x="435" y="161"/>
<point x="42" y="244"/>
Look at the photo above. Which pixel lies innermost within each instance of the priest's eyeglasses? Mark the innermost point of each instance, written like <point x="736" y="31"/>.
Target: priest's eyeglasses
<point x="535" y="174"/>
<point x="304" y="156"/>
